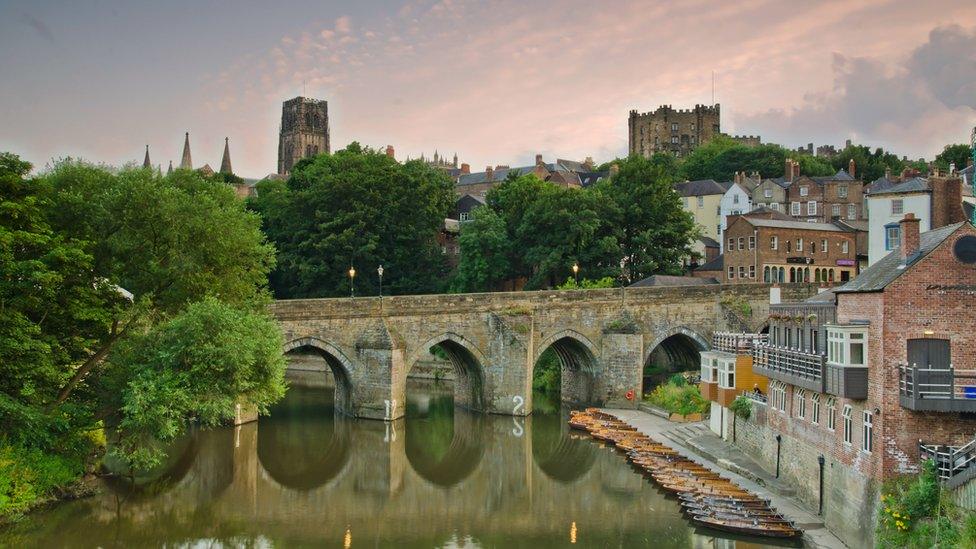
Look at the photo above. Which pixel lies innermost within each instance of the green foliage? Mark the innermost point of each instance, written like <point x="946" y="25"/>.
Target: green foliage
<point x="721" y="157"/>
<point x="29" y="477"/>
<point x="360" y="208"/>
<point x="587" y="284"/>
<point x="868" y="165"/>
<point x="677" y="380"/>
<point x="737" y="304"/>
<point x="678" y="399"/>
<point x="486" y="252"/>
<point x="915" y="512"/>
<point x="960" y="155"/>
<point x="741" y="407"/>
<point x="546" y="376"/>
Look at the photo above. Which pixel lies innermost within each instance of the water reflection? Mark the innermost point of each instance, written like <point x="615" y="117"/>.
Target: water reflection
<point x="441" y="477"/>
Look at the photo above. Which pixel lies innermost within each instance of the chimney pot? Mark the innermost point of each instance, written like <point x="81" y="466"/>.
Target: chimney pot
<point x="465" y="168"/>
<point x="850" y="168"/>
<point x="538" y="159"/>
<point x="389" y="151"/>
<point x="909" y="235"/>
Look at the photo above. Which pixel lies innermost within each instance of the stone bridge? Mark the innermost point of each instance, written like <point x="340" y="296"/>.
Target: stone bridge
<point x="603" y="339"/>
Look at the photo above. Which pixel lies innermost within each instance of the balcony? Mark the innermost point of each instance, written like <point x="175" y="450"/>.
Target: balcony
<point x="936" y="390"/>
<point x="790" y="366"/>
<point x="732" y="342"/>
<point x="954" y="464"/>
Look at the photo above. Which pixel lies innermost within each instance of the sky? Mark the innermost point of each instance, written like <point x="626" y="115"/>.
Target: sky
<point x="497" y="82"/>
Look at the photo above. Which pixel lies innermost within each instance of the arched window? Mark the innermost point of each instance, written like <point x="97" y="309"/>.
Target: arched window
<point x="766" y="274"/>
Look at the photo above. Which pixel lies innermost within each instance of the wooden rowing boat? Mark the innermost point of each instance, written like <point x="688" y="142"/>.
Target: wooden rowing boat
<point x="751" y="528"/>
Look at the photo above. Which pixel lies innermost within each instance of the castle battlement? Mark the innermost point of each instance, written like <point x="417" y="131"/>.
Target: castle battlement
<point x="667" y="110"/>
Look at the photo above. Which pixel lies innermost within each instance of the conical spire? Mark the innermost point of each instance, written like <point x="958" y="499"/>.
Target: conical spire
<point x="145" y="162"/>
<point x="187" y="162"/>
<point x="225" y="163"/>
<point x="170" y="169"/>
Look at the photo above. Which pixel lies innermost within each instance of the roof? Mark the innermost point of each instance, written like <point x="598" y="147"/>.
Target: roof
<point x="759" y="211"/>
<point x="498" y="175"/>
<point x="571" y="165"/>
<point x="781" y="181"/>
<point x="591" y="178"/>
<point x="709" y="242"/>
<point x="783" y="224"/>
<point x="968" y="170"/>
<point x="826" y="296"/>
<point x="717" y="264"/>
<point x="702" y="187"/>
<point x="884" y="271"/>
<point x="668" y="280"/>
<point x="841" y="175"/>
<point x="913" y="185"/>
<point x="881" y="184"/>
<point x="852" y="224"/>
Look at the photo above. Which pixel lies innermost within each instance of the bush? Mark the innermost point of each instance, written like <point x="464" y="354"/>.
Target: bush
<point x="677" y="380"/>
<point x="29" y="477"/>
<point x="678" y="398"/>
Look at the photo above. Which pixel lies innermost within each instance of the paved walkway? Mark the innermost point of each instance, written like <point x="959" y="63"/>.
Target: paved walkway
<point x="717" y="454"/>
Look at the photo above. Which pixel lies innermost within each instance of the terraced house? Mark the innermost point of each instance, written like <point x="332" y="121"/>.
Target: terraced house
<point x="870" y="379"/>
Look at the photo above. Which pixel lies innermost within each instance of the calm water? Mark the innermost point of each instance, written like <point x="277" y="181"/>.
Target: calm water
<point x="440" y="478"/>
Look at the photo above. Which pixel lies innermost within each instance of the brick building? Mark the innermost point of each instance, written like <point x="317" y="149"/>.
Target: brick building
<point x="822" y="199"/>
<point x="567" y="173"/>
<point x="775" y="250"/>
<point x="868" y="380"/>
<point x="669" y="130"/>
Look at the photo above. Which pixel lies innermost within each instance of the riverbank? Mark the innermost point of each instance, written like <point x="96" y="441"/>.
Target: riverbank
<point x="32" y="480"/>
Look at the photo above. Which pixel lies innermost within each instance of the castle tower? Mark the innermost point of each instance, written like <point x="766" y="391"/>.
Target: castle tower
<point x="187" y="162"/>
<point x="225" y="163"/>
<point x="145" y="162"/>
<point x="304" y="131"/>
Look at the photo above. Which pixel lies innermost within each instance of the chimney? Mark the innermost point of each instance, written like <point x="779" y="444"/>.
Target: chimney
<point x="788" y="172"/>
<point x="489" y="171"/>
<point x="909" y="235"/>
<point x="850" y="168"/>
<point x="946" y="201"/>
<point x="588" y="163"/>
<point x="465" y="168"/>
<point x="796" y="169"/>
<point x="389" y="151"/>
<point x="538" y="160"/>
<point x="888" y="174"/>
<point x="847" y="144"/>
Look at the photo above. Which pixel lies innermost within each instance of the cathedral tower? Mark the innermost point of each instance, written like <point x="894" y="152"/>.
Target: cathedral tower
<point x="304" y="131"/>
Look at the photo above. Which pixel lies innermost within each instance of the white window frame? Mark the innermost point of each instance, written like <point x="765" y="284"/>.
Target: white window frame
<point x="848" y="416"/>
<point x="804" y="190"/>
<point x="897" y="206"/>
<point x="835" y="210"/>
<point x="735" y="199"/>
<point x="463" y="216"/>
<point x="824" y="245"/>
<point x="752" y="271"/>
<point x="752" y="242"/>
<point x="742" y="271"/>
<point x="845" y="247"/>
<point x="731" y="243"/>
<point x="767" y="193"/>
<point x="794" y="208"/>
<point x="774" y="242"/>
<point x="815" y="409"/>
<point x="831" y="414"/>
<point x="731" y="272"/>
<point x="843" y="342"/>
<point x="842" y="191"/>
<point x="799" y="244"/>
<point x="774" y="206"/>
<point x="726" y="373"/>
<point x="742" y="243"/>
<point x="867" y="432"/>
<point x="800" y="396"/>
<point x="812" y="207"/>
<point x="701" y="201"/>
<point x="851" y="211"/>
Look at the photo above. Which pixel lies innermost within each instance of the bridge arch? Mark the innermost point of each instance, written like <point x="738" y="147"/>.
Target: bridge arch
<point x="677" y="349"/>
<point x="578" y="362"/>
<point x="342" y="368"/>
<point x="469" y="368"/>
<point x="441" y="462"/>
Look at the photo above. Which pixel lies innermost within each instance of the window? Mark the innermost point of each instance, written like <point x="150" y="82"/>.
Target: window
<point x="735" y="199"/>
<point x="813" y="247"/>
<point x="773" y="243"/>
<point x="835" y="210"/>
<point x="674" y="139"/>
<point x="463" y="216"/>
<point x="701" y="201"/>
<point x="718" y="231"/>
<point x="731" y="243"/>
<point x="731" y="273"/>
<point x="801" y="403"/>
<point x="799" y="244"/>
<point x="777" y="396"/>
<point x="848" y="424"/>
<point x="831" y="414"/>
<point x="847" y="345"/>
<point x="823" y="246"/>
<point x="692" y="126"/>
<point x="897" y="206"/>
<point x="752" y="242"/>
<point x="774" y="206"/>
<point x="767" y="193"/>
<point x="842" y="191"/>
<point x="814" y="334"/>
<point x="686" y="202"/>
<point x="851" y="211"/>
<point x="804" y="190"/>
<point x="845" y="246"/>
<point x="794" y="208"/>
<point x="815" y="412"/>
<point x="892" y="236"/>
<point x="742" y="243"/>
<point x="812" y="207"/>
<point x="742" y="271"/>
<point x="867" y="434"/>
<point x="674" y="127"/>
<point x="752" y="271"/>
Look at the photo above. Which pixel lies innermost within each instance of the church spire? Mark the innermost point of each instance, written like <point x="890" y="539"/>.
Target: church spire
<point x="145" y="162"/>
<point x="187" y="162"/>
<point x="225" y="163"/>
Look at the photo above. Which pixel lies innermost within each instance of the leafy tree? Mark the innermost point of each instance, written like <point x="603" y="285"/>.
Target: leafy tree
<point x="811" y="165"/>
<point x="960" y="155"/>
<point x="587" y="284"/>
<point x="485" y="261"/>
<point x="359" y="208"/>
<point x="868" y="165"/>
<point x="651" y="228"/>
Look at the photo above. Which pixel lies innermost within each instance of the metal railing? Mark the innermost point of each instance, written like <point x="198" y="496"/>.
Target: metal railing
<point x="953" y="464"/>
<point x="758" y="397"/>
<point x="733" y="342"/>
<point x="789" y="361"/>
<point x="937" y="384"/>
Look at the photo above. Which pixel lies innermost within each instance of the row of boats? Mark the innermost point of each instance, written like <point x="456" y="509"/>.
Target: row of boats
<point x="709" y="499"/>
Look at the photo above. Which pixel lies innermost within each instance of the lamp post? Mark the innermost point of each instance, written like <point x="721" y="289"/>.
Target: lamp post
<point x="352" y="281"/>
<point x="379" y="271"/>
<point x="576" y="273"/>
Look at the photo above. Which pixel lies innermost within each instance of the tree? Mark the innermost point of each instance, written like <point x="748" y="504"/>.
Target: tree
<point x="653" y="232"/>
<point x="869" y="165"/>
<point x="486" y="251"/>
<point x="358" y="208"/>
<point x="960" y="155"/>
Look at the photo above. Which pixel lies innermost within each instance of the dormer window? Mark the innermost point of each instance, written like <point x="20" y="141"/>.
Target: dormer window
<point x="768" y="193"/>
<point x="804" y="190"/>
<point x="847" y="345"/>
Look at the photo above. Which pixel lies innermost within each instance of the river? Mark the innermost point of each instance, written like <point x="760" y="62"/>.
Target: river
<point x="442" y="477"/>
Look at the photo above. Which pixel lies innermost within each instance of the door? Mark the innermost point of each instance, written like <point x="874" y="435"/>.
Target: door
<point x="931" y="354"/>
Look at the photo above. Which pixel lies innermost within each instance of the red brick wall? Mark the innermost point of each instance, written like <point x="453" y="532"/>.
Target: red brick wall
<point x="764" y="255"/>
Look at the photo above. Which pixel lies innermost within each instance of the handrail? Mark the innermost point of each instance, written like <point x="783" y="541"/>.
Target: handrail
<point x="790" y="361"/>
<point x="936" y="383"/>
<point x="950" y="461"/>
<point x="733" y="342"/>
<point x="758" y="397"/>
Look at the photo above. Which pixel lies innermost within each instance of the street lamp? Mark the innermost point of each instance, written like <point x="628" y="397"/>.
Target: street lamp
<point x="352" y="281"/>
<point x="576" y="273"/>
<point x="379" y="271"/>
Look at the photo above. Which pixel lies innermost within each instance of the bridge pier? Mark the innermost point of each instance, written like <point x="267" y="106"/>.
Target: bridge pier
<point x="622" y="357"/>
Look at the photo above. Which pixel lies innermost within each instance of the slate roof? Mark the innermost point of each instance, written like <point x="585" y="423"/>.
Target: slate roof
<point x="968" y="170"/>
<point x="591" y="178"/>
<point x="881" y="184"/>
<point x="967" y="209"/>
<point x="571" y="165"/>
<point x="498" y="175"/>
<point x="841" y="175"/>
<point x="765" y="210"/>
<point x="784" y="224"/>
<point x="709" y="242"/>
<point x="884" y="271"/>
<point x="717" y="264"/>
<point x="702" y="187"/>
<point x="913" y="185"/>
<point x="826" y="296"/>
<point x="669" y="280"/>
<point x="781" y="181"/>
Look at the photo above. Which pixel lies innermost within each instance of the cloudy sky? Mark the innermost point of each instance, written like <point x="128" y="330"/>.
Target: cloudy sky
<point x="495" y="82"/>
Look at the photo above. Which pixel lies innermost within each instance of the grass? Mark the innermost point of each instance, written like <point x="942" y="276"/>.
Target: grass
<point x="678" y="397"/>
<point x="30" y="477"/>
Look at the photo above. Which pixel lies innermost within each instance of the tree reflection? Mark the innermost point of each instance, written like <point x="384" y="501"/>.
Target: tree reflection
<point x="444" y="445"/>
<point x="560" y="456"/>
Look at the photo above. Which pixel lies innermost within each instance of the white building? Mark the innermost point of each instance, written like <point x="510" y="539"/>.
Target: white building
<point x="737" y="200"/>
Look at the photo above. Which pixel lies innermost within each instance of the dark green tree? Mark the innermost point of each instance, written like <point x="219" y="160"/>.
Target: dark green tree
<point x="868" y="165"/>
<point x="486" y="253"/>
<point x="960" y="155"/>
<point x="358" y="208"/>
